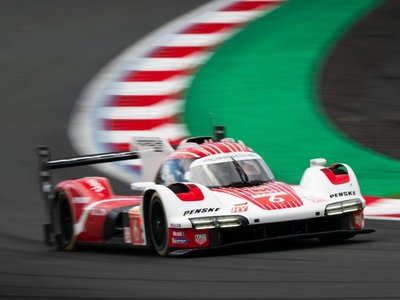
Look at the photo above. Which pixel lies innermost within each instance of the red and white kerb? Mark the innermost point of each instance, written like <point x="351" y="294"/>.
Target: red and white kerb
<point x="142" y="91"/>
<point x="148" y="98"/>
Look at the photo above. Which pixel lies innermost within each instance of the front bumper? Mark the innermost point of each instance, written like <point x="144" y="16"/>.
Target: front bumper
<point x="340" y="225"/>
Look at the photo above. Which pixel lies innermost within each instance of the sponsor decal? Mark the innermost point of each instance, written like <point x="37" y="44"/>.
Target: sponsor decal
<point x="343" y="194"/>
<point x="175" y="225"/>
<point x="178" y="233"/>
<point x="269" y="196"/>
<point x="272" y="197"/>
<point x="136" y="230"/>
<point x="188" y="238"/>
<point x="127" y="235"/>
<point x="200" y="239"/>
<point x="277" y="200"/>
<point x="95" y="185"/>
<point x="318" y="200"/>
<point x="358" y="220"/>
<point x="228" y="157"/>
<point x="156" y="145"/>
<point x="179" y="241"/>
<point x="201" y="210"/>
<point x="137" y="226"/>
<point x="80" y="200"/>
<point x="98" y="212"/>
<point x="238" y="208"/>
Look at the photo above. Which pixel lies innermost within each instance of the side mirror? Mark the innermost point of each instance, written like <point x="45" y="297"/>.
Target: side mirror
<point x="318" y="162"/>
<point x="188" y="176"/>
<point x="140" y="186"/>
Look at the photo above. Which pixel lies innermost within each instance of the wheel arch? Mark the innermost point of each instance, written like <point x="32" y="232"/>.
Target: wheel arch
<point x="148" y="194"/>
<point x="318" y="181"/>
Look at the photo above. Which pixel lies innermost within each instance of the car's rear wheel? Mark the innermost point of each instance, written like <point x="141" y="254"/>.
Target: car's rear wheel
<point x="158" y="226"/>
<point x="64" y="224"/>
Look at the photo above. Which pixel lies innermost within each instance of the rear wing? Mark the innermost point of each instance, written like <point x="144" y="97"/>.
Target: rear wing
<point x="45" y="165"/>
<point x="151" y="151"/>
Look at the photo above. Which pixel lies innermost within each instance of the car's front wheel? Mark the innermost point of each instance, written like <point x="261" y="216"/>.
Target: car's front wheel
<point x="158" y="226"/>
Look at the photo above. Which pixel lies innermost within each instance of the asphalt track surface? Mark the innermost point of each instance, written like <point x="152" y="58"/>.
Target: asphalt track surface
<point x="360" y="84"/>
<point x="49" y="51"/>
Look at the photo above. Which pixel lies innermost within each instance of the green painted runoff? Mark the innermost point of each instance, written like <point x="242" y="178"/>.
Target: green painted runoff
<point x="263" y="86"/>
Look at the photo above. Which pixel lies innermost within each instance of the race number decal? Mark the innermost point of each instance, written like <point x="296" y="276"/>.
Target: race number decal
<point x="276" y="200"/>
<point x="269" y="196"/>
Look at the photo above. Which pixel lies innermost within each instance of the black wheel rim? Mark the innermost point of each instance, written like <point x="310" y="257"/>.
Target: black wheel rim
<point x="158" y="225"/>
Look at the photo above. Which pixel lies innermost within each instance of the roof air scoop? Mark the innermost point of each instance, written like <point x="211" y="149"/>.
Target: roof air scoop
<point x="194" y="141"/>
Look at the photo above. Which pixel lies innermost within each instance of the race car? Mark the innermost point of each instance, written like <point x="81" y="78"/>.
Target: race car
<point x="204" y="194"/>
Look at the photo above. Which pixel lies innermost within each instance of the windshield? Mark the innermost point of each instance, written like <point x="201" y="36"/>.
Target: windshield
<point x="230" y="171"/>
<point x="174" y="170"/>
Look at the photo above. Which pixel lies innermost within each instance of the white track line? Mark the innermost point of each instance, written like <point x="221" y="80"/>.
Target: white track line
<point x="157" y="111"/>
<point x="150" y="88"/>
<point x="168" y="64"/>
<point x="120" y="136"/>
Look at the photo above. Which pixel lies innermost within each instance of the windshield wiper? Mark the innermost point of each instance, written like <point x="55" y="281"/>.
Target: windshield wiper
<point x="242" y="184"/>
<point x="257" y="182"/>
<point x="232" y="184"/>
<point x="248" y="183"/>
<point x="239" y="169"/>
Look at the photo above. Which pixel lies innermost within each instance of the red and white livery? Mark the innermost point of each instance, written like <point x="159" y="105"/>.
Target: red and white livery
<point x="203" y="195"/>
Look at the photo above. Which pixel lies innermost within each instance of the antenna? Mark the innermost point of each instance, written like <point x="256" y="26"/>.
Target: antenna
<point x="219" y="132"/>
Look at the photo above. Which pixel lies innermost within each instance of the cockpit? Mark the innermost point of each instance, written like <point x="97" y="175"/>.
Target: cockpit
<point x="220" y="170"/>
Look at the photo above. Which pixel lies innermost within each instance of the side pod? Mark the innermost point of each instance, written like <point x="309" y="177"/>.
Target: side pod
<point x="45" y="165"/>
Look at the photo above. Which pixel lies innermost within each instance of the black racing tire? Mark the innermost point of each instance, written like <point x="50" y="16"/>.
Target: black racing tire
<point x="336" y="238"/>
<point x="64" y="224"/>
<point x="158" y="226"/>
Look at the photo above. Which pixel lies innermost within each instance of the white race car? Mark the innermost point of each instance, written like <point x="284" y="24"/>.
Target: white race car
<point x="203" y="195"/>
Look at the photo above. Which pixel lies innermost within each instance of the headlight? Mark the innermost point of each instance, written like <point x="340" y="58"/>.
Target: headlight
<point x="343" y="207"/>
<point x="218" y="222"/>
